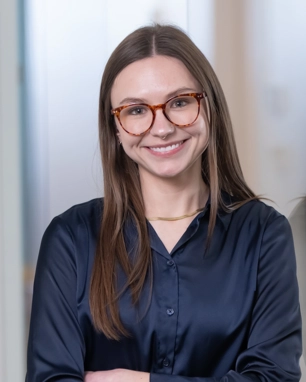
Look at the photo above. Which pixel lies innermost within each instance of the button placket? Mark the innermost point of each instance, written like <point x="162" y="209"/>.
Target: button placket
<point x="167" y="290"/>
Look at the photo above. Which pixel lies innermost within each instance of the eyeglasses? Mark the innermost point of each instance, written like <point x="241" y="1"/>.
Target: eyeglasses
<point x="181" y="110"/>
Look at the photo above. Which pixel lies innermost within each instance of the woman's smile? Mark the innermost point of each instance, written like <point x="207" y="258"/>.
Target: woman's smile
<point x="167" y="149"/>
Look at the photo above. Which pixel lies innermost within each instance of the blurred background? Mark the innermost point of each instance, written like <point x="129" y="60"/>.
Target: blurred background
<point x="52" y="56"/>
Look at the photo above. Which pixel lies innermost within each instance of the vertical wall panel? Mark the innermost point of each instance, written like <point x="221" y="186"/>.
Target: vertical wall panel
<point x="11" y="302"/>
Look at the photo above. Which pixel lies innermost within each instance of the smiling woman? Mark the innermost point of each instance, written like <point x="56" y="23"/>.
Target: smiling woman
<point x="179" y="273"/>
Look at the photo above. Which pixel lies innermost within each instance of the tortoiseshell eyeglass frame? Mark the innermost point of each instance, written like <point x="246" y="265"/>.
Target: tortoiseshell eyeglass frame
<point x="153" y="108"/>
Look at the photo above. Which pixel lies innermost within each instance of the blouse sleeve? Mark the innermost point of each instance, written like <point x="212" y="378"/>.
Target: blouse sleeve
<point x="274" y="343"/>
<point x="56" y="347"/>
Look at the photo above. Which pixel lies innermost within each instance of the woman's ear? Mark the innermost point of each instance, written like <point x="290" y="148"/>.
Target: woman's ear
<point x="119" y="139"/>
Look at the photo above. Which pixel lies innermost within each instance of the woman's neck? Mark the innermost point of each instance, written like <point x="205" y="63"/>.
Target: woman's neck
<point x="173" y="197"/>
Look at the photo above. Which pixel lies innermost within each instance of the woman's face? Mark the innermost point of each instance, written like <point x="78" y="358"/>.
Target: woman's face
<point x="165" y="151"/>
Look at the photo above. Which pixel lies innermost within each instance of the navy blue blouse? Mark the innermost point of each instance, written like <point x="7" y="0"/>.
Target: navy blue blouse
<point x="231" y="314"/>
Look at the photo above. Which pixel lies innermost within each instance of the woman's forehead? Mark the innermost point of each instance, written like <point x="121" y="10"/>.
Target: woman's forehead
<point x="157" y="75"/>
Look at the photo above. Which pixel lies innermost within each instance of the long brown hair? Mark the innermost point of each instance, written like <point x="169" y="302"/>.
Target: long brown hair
<point x="122" y="192"/>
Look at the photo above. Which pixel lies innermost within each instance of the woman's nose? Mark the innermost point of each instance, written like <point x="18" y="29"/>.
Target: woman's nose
<point x="161" y="126"/>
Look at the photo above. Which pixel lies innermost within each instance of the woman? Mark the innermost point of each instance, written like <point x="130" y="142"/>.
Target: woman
<point x="180" y="273"/>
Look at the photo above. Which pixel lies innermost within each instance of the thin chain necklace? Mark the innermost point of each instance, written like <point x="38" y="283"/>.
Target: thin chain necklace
<point x="178" y="217"/>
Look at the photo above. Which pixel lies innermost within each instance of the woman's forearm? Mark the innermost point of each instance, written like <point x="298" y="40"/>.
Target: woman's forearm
<point x="117" y="375"/>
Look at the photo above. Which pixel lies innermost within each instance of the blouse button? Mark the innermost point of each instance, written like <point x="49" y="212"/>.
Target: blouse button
<point x="166" y="362"/>
<point x="170" y="312"/>
<point x="170" y="262"/>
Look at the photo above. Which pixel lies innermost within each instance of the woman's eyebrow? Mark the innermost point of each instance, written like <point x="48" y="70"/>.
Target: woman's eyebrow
<point x="178" y="91"/>
<point x="181" y="91"/>
<point x="129" y="100"/>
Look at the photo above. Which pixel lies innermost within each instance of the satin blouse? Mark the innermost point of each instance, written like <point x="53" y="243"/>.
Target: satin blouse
<point x="225" y="315"/>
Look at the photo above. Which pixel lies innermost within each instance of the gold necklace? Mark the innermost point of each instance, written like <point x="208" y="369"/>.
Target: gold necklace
<point x="176" y="218"/>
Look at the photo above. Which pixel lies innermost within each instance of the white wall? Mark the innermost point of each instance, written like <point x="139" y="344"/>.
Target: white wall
<point x="260" y="58"/>
<point x="278" y="35"/>
<point x="11" y="302"/>
<point x="234" y="67"/>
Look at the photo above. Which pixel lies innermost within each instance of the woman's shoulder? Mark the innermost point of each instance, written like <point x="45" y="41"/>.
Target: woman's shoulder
<point x="70" y="238"/>
<point x="256" y="210"/>
<point x="82" y="212"/>
<point x="257" y="217"/>
<point x="261" y="209"/>
<point x="83" y="216"/>
<point x="86" y="210"/>
<point x="260" y="221"/>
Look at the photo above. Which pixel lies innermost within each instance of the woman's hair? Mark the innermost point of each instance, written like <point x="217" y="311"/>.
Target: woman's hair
<point x="122" y="191"/>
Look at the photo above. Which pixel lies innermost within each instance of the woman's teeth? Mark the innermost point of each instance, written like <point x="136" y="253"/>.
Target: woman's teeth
<point x="165" y="149"/>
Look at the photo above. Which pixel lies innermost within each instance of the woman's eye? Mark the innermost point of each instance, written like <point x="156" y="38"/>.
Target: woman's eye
<point x="180" y="102"/>
<point x="137" y="110"/>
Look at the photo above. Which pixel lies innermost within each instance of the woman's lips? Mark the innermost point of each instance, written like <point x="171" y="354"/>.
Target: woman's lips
<point x="166" y="149"/>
